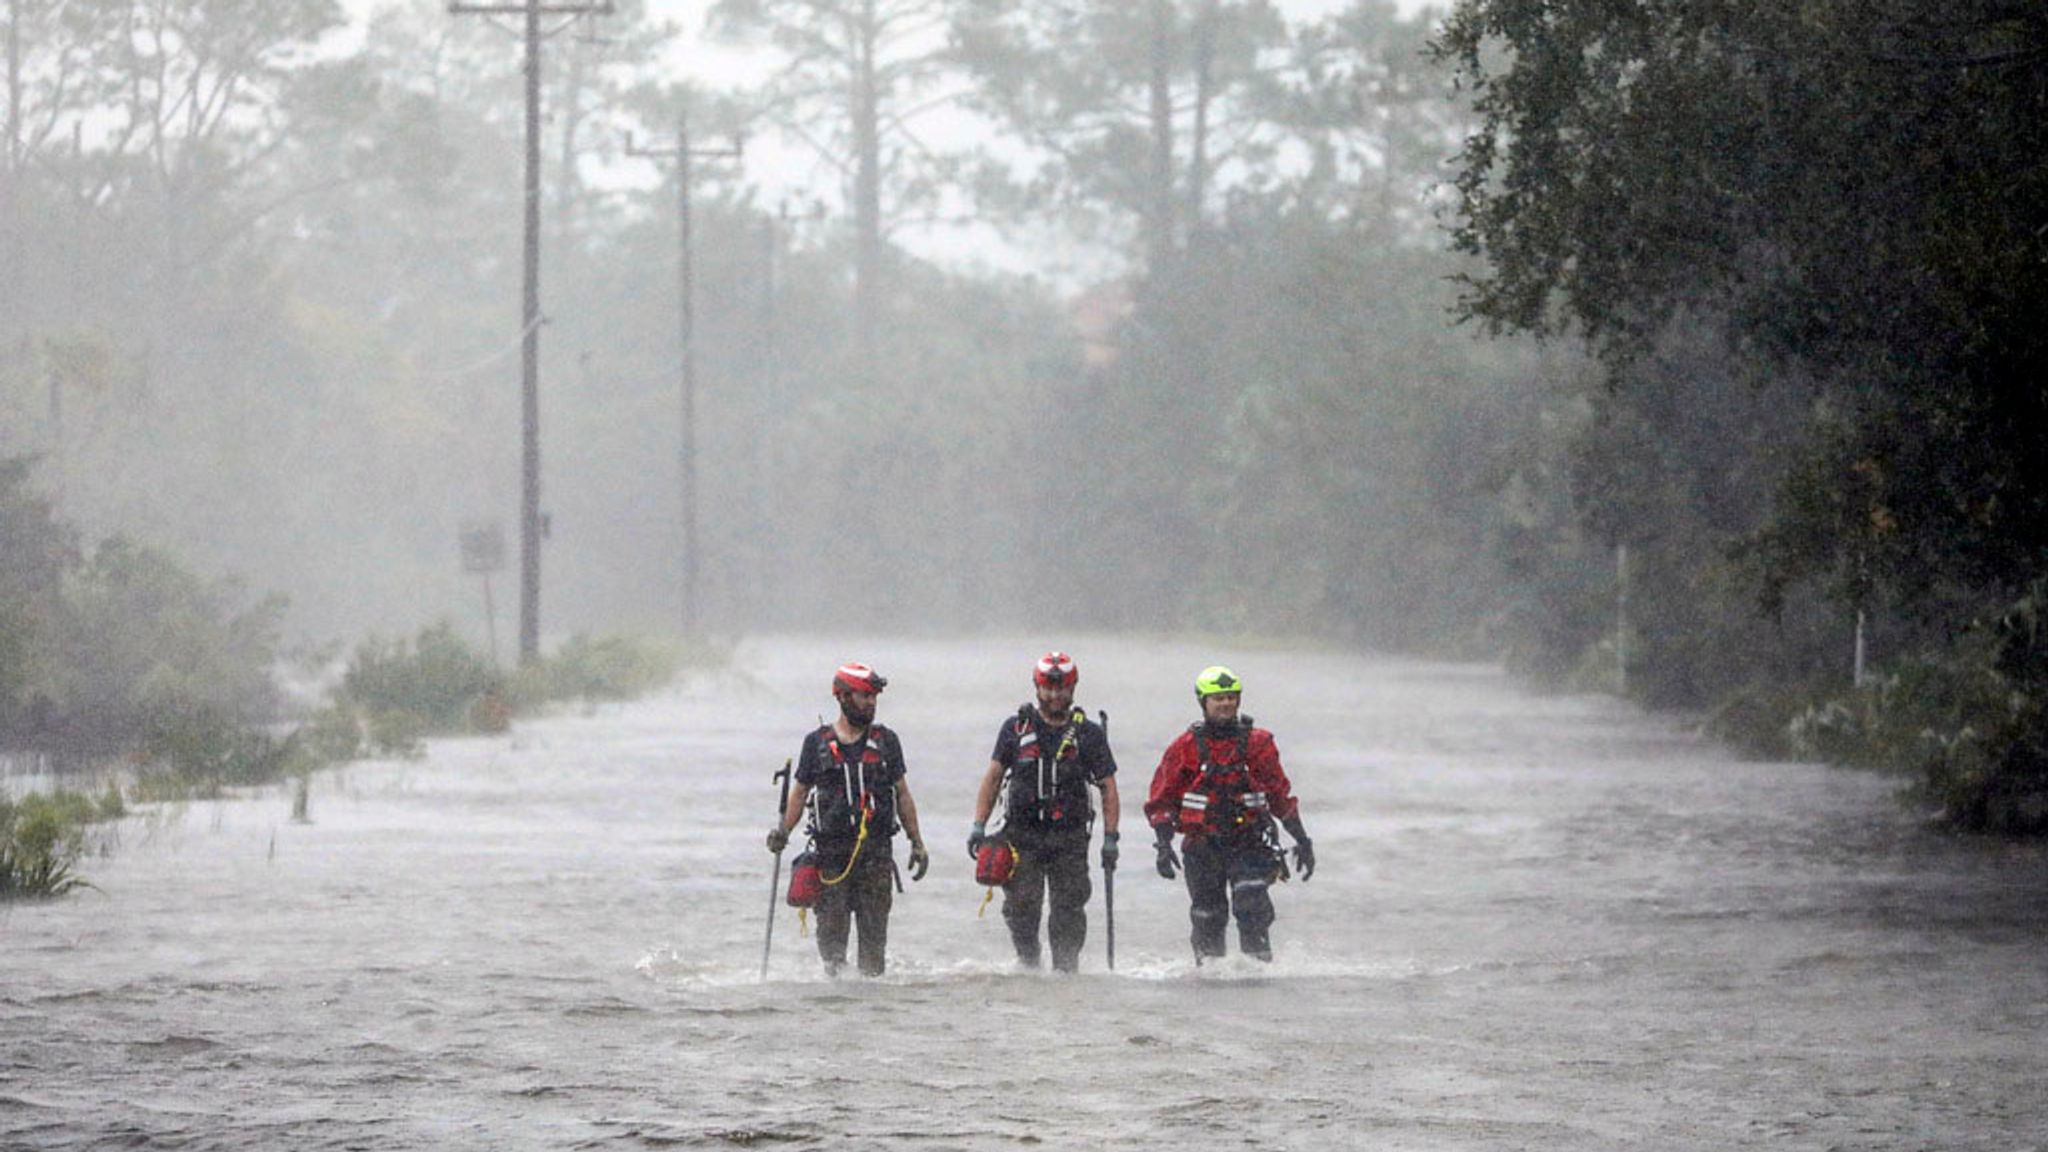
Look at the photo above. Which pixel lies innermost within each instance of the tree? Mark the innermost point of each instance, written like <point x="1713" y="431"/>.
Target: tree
<point x="36" y="550"/>
<point x="855" y="78"/>
<point x="198" y="94"/>
<point x="1860" y="187"/>
<point x="1112" y="96"/>
<point x="1856" y="194"/>
<point x="1376" y="116"/>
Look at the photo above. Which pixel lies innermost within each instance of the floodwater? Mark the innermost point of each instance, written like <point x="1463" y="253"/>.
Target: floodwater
<point x="1538" y="923"/>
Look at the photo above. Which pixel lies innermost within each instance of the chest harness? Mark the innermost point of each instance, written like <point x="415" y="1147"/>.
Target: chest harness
<point x="1048" y="787"/>
<point x="1223" y="800"/>
<point x="842" y="805"/>
<point x="854" y="790"/>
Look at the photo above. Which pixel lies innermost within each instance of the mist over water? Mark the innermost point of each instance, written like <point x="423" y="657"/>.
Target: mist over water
<point x="1538" y="922"/>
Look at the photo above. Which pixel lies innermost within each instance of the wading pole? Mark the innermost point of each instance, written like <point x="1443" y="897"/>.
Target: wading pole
<point x="1109" y="913"/>
<point x="1108" y="879"/>
<point x="775" y="884"/>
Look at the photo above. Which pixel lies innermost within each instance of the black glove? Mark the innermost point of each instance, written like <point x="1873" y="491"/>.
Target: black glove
<point x="975" y="839"/>
<point x="778" y="838"/>
<point x="1304" y="849"/>
<point x="919" y="861"/>
<point x="1109" y="840"/>
<point x="1163" y="845"/>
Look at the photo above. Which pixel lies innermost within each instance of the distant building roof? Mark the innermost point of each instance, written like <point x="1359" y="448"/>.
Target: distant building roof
<point x="1098" y="314"/>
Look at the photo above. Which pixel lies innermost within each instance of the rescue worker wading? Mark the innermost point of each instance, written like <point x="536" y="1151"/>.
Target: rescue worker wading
<point x="1045" y="758"/>
<point x="851" y="774"/>
<point x="1221" y="786"/>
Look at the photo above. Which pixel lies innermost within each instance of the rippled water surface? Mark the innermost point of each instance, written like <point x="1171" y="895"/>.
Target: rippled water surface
<point x="1539" y="922"/>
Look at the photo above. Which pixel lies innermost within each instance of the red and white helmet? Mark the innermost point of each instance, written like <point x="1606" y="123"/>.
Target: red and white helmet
<point x="1056" y="670"/>
<point x="855" y="677"/>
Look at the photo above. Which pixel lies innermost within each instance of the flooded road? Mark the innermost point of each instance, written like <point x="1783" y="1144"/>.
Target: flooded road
<point x="1537" y="923"/>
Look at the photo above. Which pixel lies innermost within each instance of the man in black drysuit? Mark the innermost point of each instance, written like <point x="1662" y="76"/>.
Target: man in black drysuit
<point x="851" y="774"/>
<point x="1046" y="758"/>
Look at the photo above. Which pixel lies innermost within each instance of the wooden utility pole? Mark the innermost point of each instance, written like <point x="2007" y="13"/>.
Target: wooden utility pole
<point x="767" y="434"/>
<point x="530" y="526"/>
<point x="686" y="332"/>
<point x="776" y="229"/>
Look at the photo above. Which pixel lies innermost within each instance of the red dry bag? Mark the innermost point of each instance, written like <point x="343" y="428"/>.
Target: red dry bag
<point x="805" y="881"/>
<point x="994" y="863"/>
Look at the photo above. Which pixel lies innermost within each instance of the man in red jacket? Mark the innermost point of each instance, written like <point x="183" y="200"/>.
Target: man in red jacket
<point x="1220" y="784"/>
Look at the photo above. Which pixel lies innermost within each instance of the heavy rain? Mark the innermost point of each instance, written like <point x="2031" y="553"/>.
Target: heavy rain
<point x="468" y="470"/>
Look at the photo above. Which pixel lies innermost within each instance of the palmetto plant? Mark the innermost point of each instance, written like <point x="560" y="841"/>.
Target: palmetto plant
<point x="41" y="839"/>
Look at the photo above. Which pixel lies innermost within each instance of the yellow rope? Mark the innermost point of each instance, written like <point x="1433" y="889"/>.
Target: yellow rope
<point x="857" y="842"/>
<point x="803" y="928"/>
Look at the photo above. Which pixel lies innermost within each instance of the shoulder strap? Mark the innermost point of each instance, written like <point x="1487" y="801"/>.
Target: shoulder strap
<point x="1243" y="740"/>
<point x="1071" y="732"/>
<point x="1068" y="735"/>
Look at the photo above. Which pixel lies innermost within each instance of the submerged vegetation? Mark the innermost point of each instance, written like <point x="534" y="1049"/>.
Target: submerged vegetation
<point x="120" y="657"/>
<point x="42" y="838"/>
<point x="395" y="693"/>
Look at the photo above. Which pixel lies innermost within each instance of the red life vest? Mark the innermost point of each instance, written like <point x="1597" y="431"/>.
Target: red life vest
<point x="1225" y="798"/>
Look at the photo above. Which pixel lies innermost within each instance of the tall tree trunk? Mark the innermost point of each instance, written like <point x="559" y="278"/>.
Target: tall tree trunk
<point x="1205" y="91"/>
<point x="10" y="165"/>
<point x="13" y="158"/>
<point x="867" y="193"/>
<point x="1158" y="223"/>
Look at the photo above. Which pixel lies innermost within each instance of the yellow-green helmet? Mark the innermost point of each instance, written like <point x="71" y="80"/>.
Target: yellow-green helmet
<point x="1217" y="679"/>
